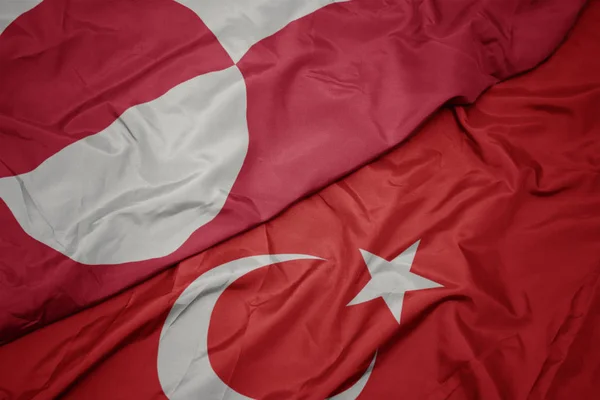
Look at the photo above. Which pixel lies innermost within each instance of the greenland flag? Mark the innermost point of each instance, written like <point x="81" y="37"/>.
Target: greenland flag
<point x="134" y="134"/>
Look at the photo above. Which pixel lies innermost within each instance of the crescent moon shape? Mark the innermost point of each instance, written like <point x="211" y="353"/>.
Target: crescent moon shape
<point x="184" y="369"/>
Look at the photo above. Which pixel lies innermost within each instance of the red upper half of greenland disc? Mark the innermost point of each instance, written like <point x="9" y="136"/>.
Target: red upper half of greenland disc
<point x="69" y="68"/>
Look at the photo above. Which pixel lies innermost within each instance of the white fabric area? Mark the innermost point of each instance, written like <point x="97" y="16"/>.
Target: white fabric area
<point x="239" y="24"/>
<point x="138" y="189"/>
<point x="11" y="9"/>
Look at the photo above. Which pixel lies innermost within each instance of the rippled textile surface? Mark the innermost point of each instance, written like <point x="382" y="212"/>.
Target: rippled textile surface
<point x="503" y="196"/>
<point x="134" y="134"/>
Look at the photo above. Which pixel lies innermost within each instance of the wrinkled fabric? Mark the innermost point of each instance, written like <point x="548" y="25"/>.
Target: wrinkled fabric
<point x="134" y="192"/>
<point x="327" y="93"/>
<point x="503" y="196"/>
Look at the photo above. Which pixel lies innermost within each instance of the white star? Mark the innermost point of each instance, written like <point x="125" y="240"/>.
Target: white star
<point x="391" y="279"/>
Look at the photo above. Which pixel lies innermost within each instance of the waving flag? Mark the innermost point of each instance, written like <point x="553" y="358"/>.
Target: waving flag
<point x="134" y="134"/>
<point x="462" y="265"/>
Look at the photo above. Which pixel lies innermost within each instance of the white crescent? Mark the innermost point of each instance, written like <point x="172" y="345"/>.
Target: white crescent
<point x="184" y="369"/>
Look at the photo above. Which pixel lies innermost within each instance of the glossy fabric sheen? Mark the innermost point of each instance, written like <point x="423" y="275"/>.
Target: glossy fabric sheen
<point x="139" y="188"/>
<point x="326" y="93"/>
<point x="503" y="195"/>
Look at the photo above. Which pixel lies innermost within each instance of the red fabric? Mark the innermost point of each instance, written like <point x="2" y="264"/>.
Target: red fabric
<point x="504" y="196"/>
<point x="326" y="94"/>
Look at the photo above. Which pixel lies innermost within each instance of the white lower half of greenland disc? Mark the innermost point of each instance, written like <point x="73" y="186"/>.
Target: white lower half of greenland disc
<point x="138" y="189"/>
<point x="12" y="9"/>
<point x="184" y="368"/>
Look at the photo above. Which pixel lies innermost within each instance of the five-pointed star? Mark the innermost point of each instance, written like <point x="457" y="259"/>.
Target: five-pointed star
<point x="391" y="279"/>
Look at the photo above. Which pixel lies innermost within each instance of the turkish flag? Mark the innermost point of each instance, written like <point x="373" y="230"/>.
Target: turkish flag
<point x="462" y="265"/>
<point x="134" y="134"/>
